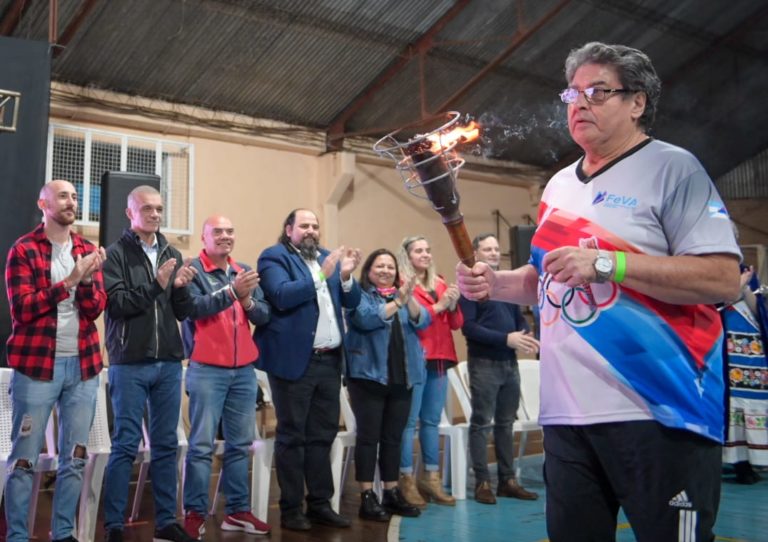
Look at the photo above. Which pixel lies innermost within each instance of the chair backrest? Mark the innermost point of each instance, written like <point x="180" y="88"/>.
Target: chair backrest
<point x="263" y="382"/>
<point x="529" y="389"/>
<point x="458" y="378"/>
<point x="347" y="414"/>
<point x="98" y="438"/>
<point x="6" y="413"/>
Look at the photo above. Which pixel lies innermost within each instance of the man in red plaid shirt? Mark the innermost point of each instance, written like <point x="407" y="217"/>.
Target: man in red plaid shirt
<point x="56" y="292"/>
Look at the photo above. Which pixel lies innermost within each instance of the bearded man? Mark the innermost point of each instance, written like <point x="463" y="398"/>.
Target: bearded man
<point x="301" y="350"/>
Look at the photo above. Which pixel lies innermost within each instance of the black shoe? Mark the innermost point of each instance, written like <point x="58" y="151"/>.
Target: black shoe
<point x="295" y="521"/>
<point x="172" y="533"/>
<point x="394" y="503"/>
<point x="68" y="539"/>
<point x="370" y="508"/>
<point x="326" y="516"/>
<point x="114" y="535"/>
<point x="745" y="474"/>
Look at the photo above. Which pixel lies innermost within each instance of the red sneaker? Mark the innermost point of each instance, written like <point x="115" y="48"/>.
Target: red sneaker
<point x="194" y="525"/>
<point x="244" y="522"/>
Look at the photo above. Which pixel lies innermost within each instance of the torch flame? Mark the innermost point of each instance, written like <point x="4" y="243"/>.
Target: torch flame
<point x="456" y="136"/>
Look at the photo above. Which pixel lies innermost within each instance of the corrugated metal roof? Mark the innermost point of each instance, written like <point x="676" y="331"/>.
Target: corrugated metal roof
<point x="306" y="62"/>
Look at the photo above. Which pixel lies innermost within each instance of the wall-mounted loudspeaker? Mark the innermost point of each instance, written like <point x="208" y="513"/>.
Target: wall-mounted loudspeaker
<point x="520" y="244"/>
<point x="115" y="187"/>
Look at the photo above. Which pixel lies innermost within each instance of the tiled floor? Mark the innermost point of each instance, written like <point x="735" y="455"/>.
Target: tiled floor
<point x="743" y="517"/>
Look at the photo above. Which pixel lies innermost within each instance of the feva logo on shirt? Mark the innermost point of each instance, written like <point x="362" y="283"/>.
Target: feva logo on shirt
<point x="614" y="201"/>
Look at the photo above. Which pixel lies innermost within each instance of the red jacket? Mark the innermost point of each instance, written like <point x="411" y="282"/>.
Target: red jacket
<point x="437" y="338"/>
<point x="218" y="331"/>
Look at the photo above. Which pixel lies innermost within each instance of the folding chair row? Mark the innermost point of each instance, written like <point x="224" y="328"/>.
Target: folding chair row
<point x="98" y="449"/>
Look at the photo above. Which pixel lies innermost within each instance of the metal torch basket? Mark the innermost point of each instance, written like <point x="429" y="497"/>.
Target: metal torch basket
<point x="402" y="153"/>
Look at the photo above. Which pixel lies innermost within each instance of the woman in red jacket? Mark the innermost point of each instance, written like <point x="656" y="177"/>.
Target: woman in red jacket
<point x="428" y="399"/>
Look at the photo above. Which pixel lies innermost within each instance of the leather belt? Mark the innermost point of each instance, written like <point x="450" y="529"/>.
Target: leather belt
<point x="321" y="352"/>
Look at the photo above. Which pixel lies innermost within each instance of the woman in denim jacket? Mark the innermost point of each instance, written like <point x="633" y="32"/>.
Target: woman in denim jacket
<point x="384" y="361"/>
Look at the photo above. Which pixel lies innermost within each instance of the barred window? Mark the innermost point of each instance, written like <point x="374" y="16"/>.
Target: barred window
<point x="82" y="155"/>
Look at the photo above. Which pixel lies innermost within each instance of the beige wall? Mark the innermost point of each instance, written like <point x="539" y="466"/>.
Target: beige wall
<point x="359" y="198"/>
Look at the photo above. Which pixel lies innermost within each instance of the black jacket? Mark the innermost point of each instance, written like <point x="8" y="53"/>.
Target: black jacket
<point x="141" y="317"/>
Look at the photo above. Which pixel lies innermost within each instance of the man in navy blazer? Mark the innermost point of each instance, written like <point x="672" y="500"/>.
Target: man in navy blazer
<point x="301" y="349"/>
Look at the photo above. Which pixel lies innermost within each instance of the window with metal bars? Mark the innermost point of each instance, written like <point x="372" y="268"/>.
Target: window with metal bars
<point x="82" y="155"/>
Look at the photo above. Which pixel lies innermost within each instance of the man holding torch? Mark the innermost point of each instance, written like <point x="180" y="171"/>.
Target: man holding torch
<point x="633" y="248"/>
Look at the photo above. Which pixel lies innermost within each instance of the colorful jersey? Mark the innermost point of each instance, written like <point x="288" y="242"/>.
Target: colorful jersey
<point x="612" y="354"/>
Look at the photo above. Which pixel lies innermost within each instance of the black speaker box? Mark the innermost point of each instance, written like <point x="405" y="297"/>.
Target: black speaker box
<point x="520" y="244"/>
<point x="115" y="187"/>
<point x="26" y="69"/>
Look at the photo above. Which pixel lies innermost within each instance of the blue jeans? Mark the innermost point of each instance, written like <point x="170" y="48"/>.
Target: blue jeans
<point x="495" y="389"/>
<point x="131" y="387"/>
<point x="32" y="403"/>
<point x="227" y="395"/>
<point x="427" y="404"/>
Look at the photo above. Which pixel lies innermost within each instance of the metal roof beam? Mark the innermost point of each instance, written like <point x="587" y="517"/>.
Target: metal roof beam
<point x="518" y="39"/>
<point x="12" y="16"/>
<point x="729" y="39"/>
<point x="335" y="132"/>
<point x="74" y="25"/>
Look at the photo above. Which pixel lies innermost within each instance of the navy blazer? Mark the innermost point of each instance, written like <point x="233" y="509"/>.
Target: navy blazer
<point x="285" y="343"/>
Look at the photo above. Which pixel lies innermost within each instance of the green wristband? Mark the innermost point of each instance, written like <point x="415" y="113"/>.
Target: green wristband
<point x="321" y="276"/>
<point x="621" y="266"/>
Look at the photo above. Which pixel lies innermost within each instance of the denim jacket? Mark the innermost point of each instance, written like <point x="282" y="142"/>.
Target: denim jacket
<point x="367" y="340"/>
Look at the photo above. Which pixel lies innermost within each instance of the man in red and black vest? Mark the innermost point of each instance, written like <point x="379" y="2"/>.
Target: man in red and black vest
<point x="221" y="380"/>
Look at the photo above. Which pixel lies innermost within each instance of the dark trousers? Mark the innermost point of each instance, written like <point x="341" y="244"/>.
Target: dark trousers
<point x="381" y="413"/>
<point x="666" y="480"/>
<point x="307" y="412"/>
<point x="495" y="390"/>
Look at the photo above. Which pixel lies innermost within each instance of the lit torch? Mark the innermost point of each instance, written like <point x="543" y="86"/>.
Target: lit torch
<point x="430" y="162"/>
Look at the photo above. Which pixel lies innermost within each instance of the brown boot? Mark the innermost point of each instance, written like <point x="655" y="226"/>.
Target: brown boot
<point x="431" y="488"/>
<point x="407" y="485"/>
<point x="511" y="488"/>
<point x="484" y="494"/>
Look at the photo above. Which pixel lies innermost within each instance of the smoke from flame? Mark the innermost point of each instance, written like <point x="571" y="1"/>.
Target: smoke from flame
<point x="456" y="136"/>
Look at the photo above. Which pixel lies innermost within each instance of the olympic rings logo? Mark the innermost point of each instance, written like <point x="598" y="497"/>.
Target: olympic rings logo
<point x="580" y="305"/>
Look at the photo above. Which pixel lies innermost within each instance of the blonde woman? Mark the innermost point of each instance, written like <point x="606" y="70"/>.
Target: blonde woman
<point x="441" y="302"/>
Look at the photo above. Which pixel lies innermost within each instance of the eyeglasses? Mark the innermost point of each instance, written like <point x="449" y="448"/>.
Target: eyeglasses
<point x="593" y="95"/>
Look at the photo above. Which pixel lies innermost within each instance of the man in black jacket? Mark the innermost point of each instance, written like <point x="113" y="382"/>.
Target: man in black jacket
<point x="495" y="332"/>
<point x="146" y="285"/>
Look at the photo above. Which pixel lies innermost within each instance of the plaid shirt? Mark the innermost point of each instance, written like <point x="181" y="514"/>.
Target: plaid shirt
<point x="33" y="300"/>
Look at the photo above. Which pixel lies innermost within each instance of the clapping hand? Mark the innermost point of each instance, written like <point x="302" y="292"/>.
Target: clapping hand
<point x="86" y="266"/>
<point x="245" y="283"/>
<point x="185" y="274"/>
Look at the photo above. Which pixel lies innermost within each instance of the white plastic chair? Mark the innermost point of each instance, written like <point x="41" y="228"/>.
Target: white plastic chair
<point x="343" y="450"/>
<point x="528" y="411"/>
<point x="455" y="464"/>
<point x="262" y="452"/>
<point x="45" y="460"/>
<point x="98" y="449"/>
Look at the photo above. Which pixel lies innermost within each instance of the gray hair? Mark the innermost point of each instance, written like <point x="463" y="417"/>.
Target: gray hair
<point x="142" y="189"/>
<point x="634" y="68"/>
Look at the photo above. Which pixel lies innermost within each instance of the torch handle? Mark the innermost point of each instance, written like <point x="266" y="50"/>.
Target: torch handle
<point x="461" y="242"/>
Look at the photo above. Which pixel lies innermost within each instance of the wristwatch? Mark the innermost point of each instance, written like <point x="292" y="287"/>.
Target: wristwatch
<point x="603" y="266"/>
